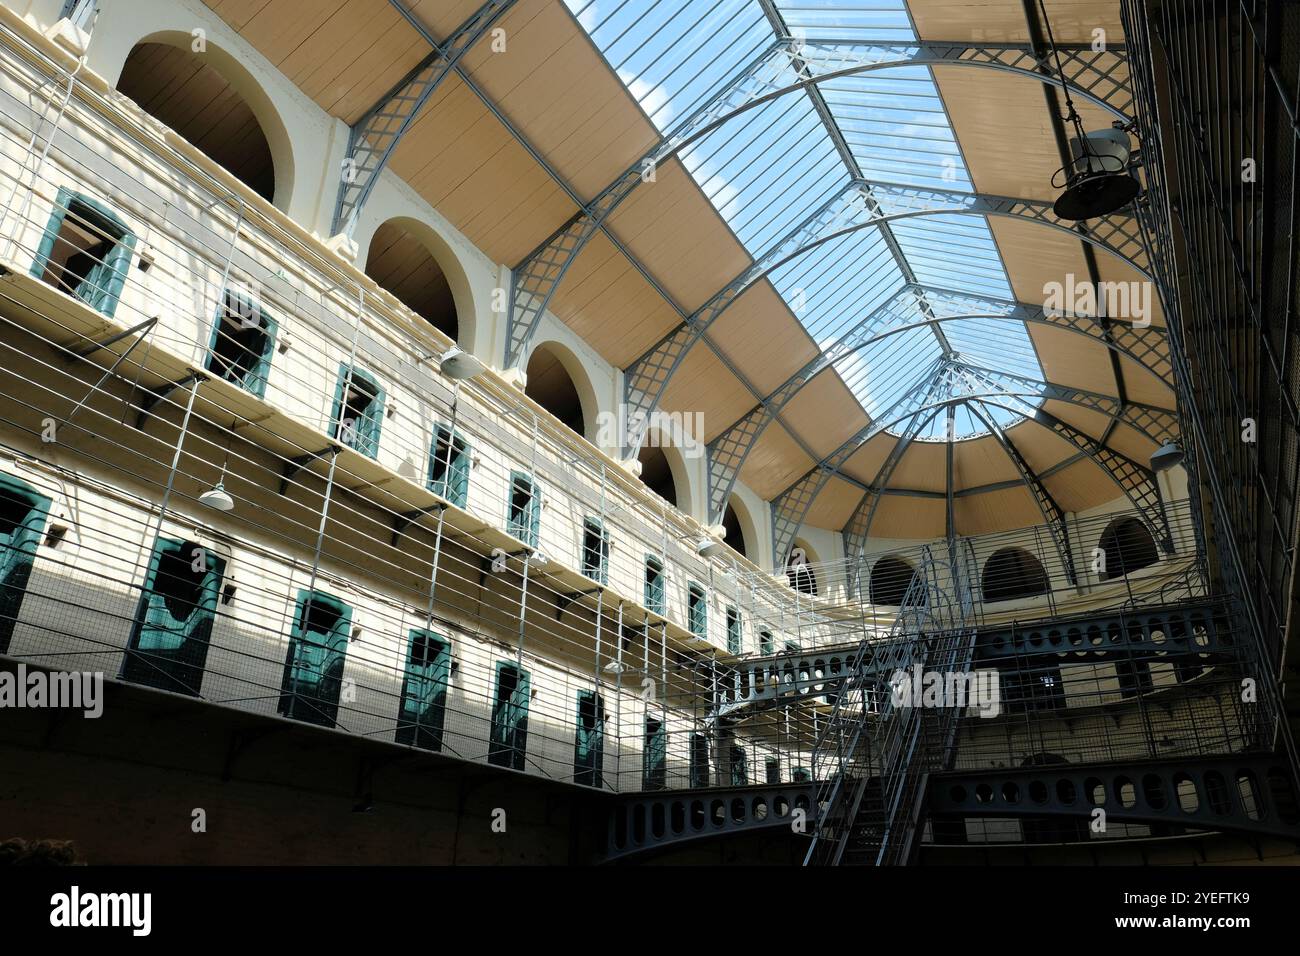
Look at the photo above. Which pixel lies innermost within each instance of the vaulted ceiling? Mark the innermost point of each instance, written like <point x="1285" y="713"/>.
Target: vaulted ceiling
<point x="515" y="143"/>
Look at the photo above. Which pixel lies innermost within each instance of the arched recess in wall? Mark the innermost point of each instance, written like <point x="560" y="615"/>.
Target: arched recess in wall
<point x="409" y="259"/>
<point x="890" y="579"/>
<point x="1127" y="545"/>
<point x="1013" y="573"/>
<point x="664" y="471"/>
<point x="557" y="381"/>
<point x="739" y="529"/>
<point x="214" y="103"/>
<point x="800" y="567"/>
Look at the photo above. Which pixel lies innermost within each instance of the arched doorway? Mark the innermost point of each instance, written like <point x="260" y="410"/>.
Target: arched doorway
<point x="1126" y="545"/>
<point x="403" y="265"/>
<point x="551" y="384"/>
<point x="189" y="94"/>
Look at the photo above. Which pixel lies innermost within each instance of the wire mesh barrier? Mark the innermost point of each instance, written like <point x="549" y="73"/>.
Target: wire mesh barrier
<point x="228" y="472"/>
<point x="1216" y="103"/>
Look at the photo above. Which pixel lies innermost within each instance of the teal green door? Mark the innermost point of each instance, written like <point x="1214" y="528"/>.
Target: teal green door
<point x="699" y="760"/>
<point x="313" y="670"/>
<point x="525" y="510"/>
<point x="358" y="414"/>
<point x="94" y="247"/>
<point x="424" y="691"/>
<point x="173" y="622"/>
<point x="589" y="745"/>
<point x="449" y="467"/>
<point x="509" y="739"/>
<point x="739" y="767"/>
<point x="655" y="755"/>
<point x="22" y="523"/>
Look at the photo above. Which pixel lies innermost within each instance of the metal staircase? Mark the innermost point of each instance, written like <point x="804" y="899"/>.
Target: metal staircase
<point x="873" y="758"/>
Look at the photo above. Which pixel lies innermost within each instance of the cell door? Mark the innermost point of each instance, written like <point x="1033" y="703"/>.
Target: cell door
<point x="589" y="746"/>
<point x="424" y="691"/>
<point x="655" y="765"/>
<point x="22" y="524"/>
<point x="509" y="740"/>
<point x="313" y="673"/>
<point x="173" y="624"/>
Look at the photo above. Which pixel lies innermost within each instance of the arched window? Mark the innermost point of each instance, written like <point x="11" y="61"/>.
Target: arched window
<point x="734" y="534"/>
<point x="657" y="474"/>
<point x="1126" y="545"/>
<point x="402" y="264"/>
<point x="1013" y="573"/>
<point x="186" y="92"/>
<point x="890" y="579"/>
<point x="552" y="386"/>
<point x="799" y="573"/>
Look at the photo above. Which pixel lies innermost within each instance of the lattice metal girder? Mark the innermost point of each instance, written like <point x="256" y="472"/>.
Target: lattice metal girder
<point x="375" y="136"/>
<point x="1137" y="482"/>
<point x="1053" y="514"/>
<point x="646" y="379"/>
<point x="788" y="66"/>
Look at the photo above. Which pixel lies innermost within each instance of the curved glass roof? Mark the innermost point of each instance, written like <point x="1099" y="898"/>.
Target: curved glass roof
<point x="775" y="166"/>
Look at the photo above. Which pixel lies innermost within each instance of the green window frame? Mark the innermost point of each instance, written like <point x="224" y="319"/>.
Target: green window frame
<point x="800" y="775"/>
<point x="739" y="766"/>
<point x="313" y="667"/>
<point x="699" y="760"/>
<point x="654" y="756"/>
<point x="589" y="740"/>
<point x="242" y="342"/>
<point x="595" y="550"/>
<point x="735" y="632"/>
<point x="524" y="508"/>
<point x="654" y="584"/>
<point x="508" y="744"/>
<point x="358" y="415"/>
<point x="423" y="710"/>
<point x="697" y="611"/>
<point x="766" y="646"/>
<point x="96" y="274"/>
<point x="449" y="464"/>
<point x="23" y="512"/>
<point x="168" y="648"/>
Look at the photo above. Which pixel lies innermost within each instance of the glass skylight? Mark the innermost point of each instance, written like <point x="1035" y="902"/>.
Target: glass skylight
<point x="773" y="167"/>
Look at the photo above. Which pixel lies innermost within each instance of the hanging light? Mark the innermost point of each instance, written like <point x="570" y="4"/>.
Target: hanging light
<point x="458" y="364"/>
<point x="1167" y="456"/>
<point x="216" y="497"/>
<point x="1096" y="181"/>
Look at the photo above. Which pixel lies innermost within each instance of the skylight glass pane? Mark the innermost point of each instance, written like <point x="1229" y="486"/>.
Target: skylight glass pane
<point x="881" y="20"/>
